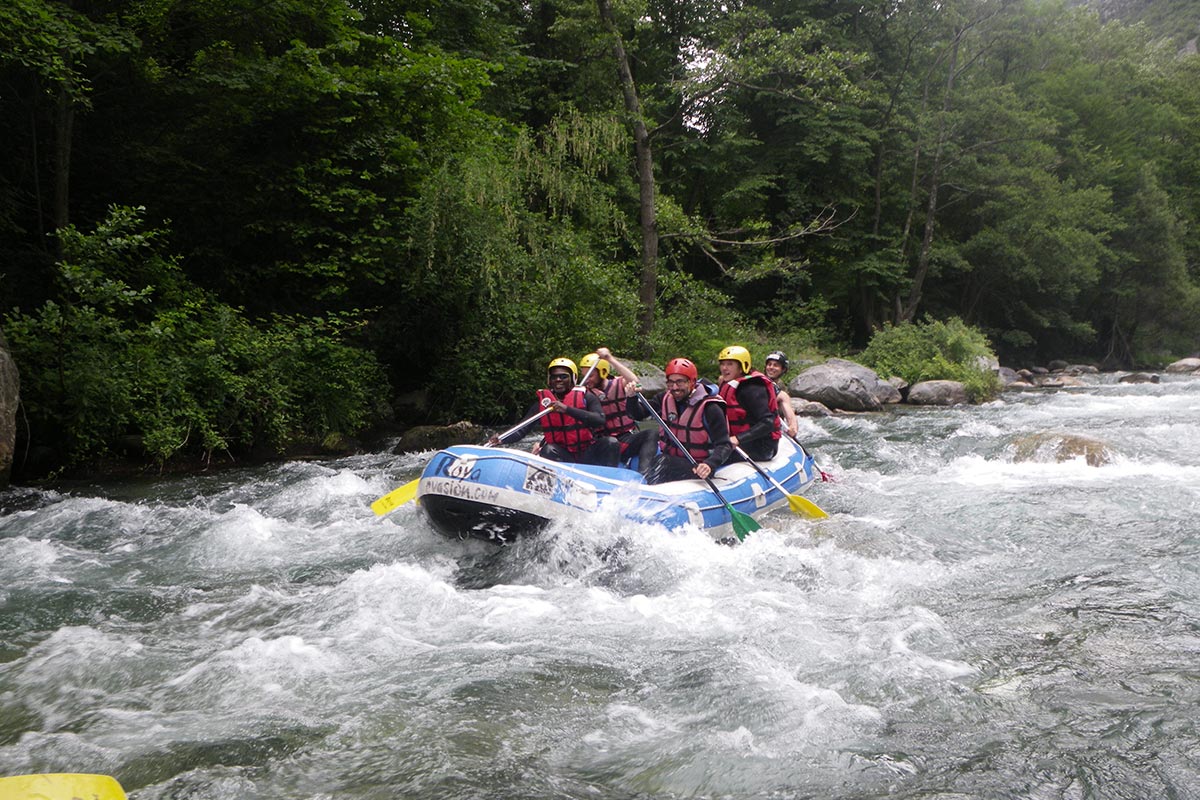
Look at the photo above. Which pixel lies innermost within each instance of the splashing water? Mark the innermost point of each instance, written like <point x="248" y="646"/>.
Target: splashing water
<point x="976" y="619"/>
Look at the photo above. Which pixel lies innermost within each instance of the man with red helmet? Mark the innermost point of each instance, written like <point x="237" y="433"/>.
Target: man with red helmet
<point x="696" y="417"/>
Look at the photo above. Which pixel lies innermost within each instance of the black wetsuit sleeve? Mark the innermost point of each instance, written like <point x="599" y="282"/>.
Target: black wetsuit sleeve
<point x="638" y="411"/>
<point x="752" y="396"/>
<point x="593" y="416"/>
<point x="717" y="426"/>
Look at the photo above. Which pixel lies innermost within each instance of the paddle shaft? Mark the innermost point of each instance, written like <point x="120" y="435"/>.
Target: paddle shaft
<point x="403" y="494"/>
<point x="803" y="449"/>
<point x="798" y="504"/>
<point x="758" y="468"/>
<point x="523" y="423"/>
<point x="734" y="514"/>
<point x="545" y="410"/>
<point x="794" y="439"/>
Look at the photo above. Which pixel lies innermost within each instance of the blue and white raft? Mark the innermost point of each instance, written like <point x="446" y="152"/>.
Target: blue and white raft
<point x="497" y="493"/>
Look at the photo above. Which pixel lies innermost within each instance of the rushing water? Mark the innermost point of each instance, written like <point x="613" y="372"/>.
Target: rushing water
<point x="966" y="624"/>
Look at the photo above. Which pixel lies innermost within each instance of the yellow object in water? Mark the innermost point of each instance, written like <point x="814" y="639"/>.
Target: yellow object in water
<point x="61" y="786"/>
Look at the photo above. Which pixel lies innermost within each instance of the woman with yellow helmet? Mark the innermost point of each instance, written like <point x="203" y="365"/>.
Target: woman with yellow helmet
<point x="614" y="391"/>
<point x="750" y="404"/>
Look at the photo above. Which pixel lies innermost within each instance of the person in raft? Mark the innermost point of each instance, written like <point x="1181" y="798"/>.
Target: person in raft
<point x="613" y="392"/>
<point x="750" y="404"/>
<point x="568" y="432"/>
<point x="695" y="416"/>
<point x="775" y="365"/>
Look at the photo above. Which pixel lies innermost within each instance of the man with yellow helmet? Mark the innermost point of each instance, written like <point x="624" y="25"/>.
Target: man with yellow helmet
<point x="613" y="392"/>
<point x="750" y="404"/>
<point x="569" y="431"/>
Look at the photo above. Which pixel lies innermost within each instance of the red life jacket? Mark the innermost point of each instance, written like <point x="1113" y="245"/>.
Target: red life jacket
<point x="738" y="424"/>
<point x="617" y="419"/>
<point x="561" y="428"/>
<point x="688" y="425"/>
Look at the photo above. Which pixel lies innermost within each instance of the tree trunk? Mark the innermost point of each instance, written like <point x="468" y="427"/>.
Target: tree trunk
<point x="909" y="309"/>
<point x="10" y="395"/>
<point x="648" y="288"/>
<point x="64" y="121"/>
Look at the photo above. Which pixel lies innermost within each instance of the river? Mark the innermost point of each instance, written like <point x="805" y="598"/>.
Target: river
<point x="971" y="621"/>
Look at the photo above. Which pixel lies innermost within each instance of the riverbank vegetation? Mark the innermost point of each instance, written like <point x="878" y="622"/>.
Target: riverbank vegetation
<point x="935" y="350"/>
<point x="232" y="225"/>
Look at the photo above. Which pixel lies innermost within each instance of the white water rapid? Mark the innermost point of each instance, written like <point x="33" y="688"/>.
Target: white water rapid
<point x="976" y="619"/>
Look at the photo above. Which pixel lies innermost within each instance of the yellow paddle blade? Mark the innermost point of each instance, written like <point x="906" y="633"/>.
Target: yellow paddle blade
<point x="805" y="506"/>
<point x="392" y="500"/>
<point x="61" y="786"/>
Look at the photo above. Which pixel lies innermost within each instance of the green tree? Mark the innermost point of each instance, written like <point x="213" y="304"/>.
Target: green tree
<point x="131" y="349"/>
<point x="509" y="264"/>
<point x="934" y="350"/>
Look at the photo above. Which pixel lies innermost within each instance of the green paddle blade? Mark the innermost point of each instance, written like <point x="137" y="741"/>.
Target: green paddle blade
<point x="742" y="523"/>
<point x="802" y="505"/>
<point x="395" y="498"/>
<point x="60" y="786"/>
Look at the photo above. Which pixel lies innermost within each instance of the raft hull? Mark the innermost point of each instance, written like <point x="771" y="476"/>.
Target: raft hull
<point x="498" y="494"/>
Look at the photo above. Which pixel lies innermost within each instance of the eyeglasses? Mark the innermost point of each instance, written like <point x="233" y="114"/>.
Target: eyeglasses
<point x="560" y="376"/>
<point x="678" y="384"/>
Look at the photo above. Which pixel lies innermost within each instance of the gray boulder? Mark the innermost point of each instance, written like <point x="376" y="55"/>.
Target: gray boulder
<point x="937" y="393"/>
<point x="808" y="408"/>
<point x="844" y="385"/>
<point x="10" y="392"/>
<point x="1059" y="380"/>
<point x="900" y="384"/>
<point x="437" y="437"/>
<point x="1138" y="377"/>
<point x="651" y="377"/>
<point x="1048" y="447"/>
<point x="1184" y="366"/>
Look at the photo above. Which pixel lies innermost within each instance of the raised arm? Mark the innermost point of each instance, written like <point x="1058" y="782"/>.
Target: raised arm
<point x="789" y="413"/>
<point x="625" y="372"/>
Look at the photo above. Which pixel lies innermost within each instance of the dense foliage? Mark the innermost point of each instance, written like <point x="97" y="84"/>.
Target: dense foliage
<point x="934" y="350"/>
<point x="132" y="355"/>
<point x="454" y="193"/>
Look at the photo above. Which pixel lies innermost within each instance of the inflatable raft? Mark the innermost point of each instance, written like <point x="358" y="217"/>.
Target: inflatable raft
<point x="497" y="493"/>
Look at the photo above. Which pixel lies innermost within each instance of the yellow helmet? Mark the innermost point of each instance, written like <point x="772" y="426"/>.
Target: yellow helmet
<point x="602" y="365"/>
<point x="736" y="352"/>
<point x="564" y="362"/>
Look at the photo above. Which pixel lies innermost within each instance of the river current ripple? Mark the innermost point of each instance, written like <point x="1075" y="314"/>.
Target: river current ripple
<point x="974" y="620"/>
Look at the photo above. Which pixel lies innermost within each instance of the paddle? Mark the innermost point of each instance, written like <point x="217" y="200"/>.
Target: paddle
<point x="398" y="497"/>
<point x="60" y="786"/>
<point x="798" y="504"/>
<point x="824" y="475"/>
<point x="742" y="523"/>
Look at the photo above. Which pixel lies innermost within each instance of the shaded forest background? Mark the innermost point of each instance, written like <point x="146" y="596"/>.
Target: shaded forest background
<point x="233" y="224"/>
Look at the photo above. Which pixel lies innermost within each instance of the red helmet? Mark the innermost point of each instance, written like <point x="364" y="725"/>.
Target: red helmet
<point x="681" y="366"/>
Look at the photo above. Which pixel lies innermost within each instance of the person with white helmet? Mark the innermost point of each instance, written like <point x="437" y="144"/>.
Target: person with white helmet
<point x="568" y="432"/>
<point x="750" y="404"/>
<point x="774" y="367"/>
